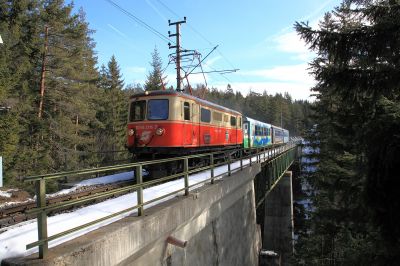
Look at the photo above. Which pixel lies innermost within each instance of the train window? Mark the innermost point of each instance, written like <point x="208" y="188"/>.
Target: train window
<point x="233" y="121"/>
<point x="205" y="115"/>
<point x="217" y="116"/>
<point x="137" y="111"/>
<point x="240" y="122"/>
<point x="157" y="109"/>
<point x="226" y="118"/>
<point x="186" y="111"/>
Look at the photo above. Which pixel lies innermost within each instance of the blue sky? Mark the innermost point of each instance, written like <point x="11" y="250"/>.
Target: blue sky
<point x="255" y="36"/>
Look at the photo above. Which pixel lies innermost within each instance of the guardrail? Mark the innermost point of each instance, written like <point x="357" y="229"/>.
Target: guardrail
<point x="247" y="158"/>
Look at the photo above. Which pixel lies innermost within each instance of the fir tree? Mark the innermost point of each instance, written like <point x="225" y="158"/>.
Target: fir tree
<point x="155" y="81"/>
<point x="113" y="113"/>
<point x="357" y="70"/>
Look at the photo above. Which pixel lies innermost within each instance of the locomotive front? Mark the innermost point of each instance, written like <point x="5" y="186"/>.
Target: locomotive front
<point x="151" y="122"/>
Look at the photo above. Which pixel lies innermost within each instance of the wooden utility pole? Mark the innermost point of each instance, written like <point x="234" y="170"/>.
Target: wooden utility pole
<point x="42" y="77"/>
<point x="178" y="51"/>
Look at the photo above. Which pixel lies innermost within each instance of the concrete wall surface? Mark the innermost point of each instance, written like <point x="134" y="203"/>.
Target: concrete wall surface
<point x="218" y="222"/>
<point x="278" y="224"/>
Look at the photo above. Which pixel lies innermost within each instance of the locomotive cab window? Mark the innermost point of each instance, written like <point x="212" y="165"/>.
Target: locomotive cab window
<point x="205" y="115"/>
<point x="137" y="111"/>
<point x="157" y="109"/>
<point x="186" y="111"/>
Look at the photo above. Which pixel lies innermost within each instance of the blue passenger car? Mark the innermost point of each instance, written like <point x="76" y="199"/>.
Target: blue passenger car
<point x="256" y="133"/>
<point x="279" y="135"/>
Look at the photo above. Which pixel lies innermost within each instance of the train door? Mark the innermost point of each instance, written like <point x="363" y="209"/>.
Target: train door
<point x="246" y="134"/>
<point x="233" y="130"/>
<point x="187" y="124"/>
<point x="238" y="130"/>
<point x="196" y="124"/>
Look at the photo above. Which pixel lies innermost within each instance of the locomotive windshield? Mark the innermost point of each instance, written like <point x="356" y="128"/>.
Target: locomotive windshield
<point x="137" y="111"/>
<point x="157" y="109"/>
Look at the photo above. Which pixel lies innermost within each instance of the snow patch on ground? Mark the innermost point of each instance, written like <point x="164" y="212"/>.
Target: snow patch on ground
<point x="5" y="194"/>
<point x="12" y="203"/>
<point x="96" y="181"/>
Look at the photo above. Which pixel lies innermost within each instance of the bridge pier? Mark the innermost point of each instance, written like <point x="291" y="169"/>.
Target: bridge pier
<point x="278" y="231"/>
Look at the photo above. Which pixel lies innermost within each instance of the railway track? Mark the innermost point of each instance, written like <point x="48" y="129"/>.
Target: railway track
<point x="16" y="213"/>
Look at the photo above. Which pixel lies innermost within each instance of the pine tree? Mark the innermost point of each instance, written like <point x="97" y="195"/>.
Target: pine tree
<point x="357" y="70"/>
<point x="155" y="81"/>
<point x="70" y="88"/>
<point x="113" y="113"/>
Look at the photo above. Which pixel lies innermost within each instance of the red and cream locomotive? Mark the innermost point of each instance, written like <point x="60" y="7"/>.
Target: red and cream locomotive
<point x="169" y="123"/>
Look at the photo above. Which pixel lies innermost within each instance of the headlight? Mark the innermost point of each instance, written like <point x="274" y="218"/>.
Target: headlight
<point x="159" y="131"/>
<point x="131" y="132"/>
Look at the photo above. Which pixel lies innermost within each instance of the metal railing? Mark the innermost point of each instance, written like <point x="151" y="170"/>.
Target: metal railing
<point x="274" y="171"/>
<point x="247" y="158"/>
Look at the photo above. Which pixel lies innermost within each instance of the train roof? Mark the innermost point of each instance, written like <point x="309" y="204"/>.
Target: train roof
<point x="251" y="120"/>
<point x="184" y="95"/>
<point x="279" y="128"/>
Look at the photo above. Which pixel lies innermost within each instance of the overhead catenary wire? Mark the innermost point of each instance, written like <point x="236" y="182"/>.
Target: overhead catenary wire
<point x="141" y="22"/>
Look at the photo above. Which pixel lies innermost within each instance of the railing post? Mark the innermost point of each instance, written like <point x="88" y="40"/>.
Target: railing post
<point x="139" y="193"/>
<point x="186" y="175"/>
<point x="251" y="156"/>
<point x="264" y="153"/>
<point x="212" y="167"/>
<point x="229" y="165"/>
<point x="241" y="160"/>
<point x="42" y="217"/>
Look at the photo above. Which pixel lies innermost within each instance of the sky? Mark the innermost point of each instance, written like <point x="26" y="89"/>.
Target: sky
<point x="257" y="37"/>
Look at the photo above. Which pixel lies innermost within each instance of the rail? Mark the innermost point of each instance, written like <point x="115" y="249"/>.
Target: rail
<point x="247" y="157"/>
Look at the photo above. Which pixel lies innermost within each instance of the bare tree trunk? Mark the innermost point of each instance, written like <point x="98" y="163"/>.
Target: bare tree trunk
<point x="43" y="73"/>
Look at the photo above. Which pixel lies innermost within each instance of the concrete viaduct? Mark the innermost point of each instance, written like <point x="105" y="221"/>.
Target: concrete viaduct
<point x="229" y="222"/>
